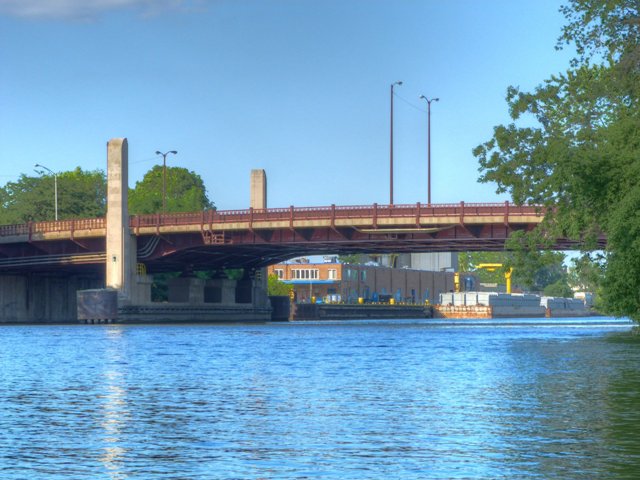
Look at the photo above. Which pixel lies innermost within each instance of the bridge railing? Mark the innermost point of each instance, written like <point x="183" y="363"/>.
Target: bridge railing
<point x="332" y="212"/>
<point x="14" y="230"/>
<point x="52" y="226"/>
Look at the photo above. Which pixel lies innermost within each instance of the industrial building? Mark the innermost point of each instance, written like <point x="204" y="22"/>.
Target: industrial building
<point x="328" y="280"/>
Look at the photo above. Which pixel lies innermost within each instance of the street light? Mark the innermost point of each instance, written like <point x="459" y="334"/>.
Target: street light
<point x="164" y="177"/>
<point x="429" y="100"/>
<point x="55" y="186"/>
<point x="391" y="148"/>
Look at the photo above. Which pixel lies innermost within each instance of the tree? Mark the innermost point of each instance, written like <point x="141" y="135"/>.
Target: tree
<point x="531" y="269"/>
<point x="469" y="261"/>
<point x="579" y="157"/>
<point x="81" y="194"/>
<point x="558" y="289"/>
<point x="586" y="272"/>
<point x="276" y="287"/>
<point x="353" y="258"/>
<point x="185" y="192"/>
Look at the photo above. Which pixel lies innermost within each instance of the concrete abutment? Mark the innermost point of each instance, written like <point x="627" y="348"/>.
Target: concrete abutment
<point x="32" y="298"/>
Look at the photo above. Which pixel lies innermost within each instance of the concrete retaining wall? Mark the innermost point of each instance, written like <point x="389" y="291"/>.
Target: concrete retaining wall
<point x="41" y="299"/>
<point x="311" y="311"/>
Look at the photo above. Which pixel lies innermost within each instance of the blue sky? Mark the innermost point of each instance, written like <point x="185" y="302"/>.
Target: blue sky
<point x="297" y="87"/>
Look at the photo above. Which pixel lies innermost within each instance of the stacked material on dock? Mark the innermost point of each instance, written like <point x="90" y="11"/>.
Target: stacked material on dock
<point x="564" y="307"/>
<point x="516" y="305"/>
<point x="474" y="305"/>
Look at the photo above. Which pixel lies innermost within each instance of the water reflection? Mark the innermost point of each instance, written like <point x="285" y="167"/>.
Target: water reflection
<point x="341" y="401"/>
<point x="113" y="403"/>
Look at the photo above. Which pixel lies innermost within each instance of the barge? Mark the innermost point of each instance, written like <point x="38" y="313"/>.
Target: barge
<point x="504" y="305"/>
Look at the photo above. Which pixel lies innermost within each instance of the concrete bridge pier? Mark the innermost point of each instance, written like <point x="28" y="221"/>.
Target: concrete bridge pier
<point x="251" y="289"/>
<point x="121" y="269"/>
<point x="186" y="290"/>
<point x="220" y="290"/>
<point x="260" y="295"/>
<point x="258" y="201"/>
<point x="190" y="298"/>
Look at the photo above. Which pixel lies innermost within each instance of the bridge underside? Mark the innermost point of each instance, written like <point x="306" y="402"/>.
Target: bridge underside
<point x="255" y="248"/>
<point x="262" y="248"/>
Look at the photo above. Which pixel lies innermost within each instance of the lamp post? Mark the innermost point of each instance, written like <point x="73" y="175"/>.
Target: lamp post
<point x="391" y="147"/>
<point x="164" y="177"/>
<point x="55" y="187"/>
<point x="429" y="100"/>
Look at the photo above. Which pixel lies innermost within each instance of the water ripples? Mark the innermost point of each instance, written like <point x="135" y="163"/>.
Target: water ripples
<point x="371" y="400"/>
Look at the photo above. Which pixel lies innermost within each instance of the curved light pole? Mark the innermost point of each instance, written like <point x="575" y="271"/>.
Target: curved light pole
<point x="55" y="186"/>
<point x="429" y="100"/>
<point x="164" y="177"/>
<point x="391" y="148"/>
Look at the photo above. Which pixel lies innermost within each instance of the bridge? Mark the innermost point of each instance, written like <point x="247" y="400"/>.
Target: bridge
<point x="45" y="265"/>
<point x="255" y="238"/>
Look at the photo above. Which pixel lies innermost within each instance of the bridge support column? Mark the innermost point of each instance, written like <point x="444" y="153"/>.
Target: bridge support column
<point x="121" y="246"/>
<point x="260" y="288"/>
<point x="186" y="290"/>
<point x="258" y="192"/>
<point x="221" y="290"/>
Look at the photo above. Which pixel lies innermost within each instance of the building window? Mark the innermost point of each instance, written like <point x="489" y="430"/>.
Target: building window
<point x="304" y="274"/>
<point x="332" y="274"/>
<point x="279" y="273"/>
<point x="363" y="275"/>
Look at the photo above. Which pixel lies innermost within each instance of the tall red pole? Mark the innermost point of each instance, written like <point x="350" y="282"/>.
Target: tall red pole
<point x="429" y="100"/>
<point x="391" y="148"/>
<point x="391" y="153"/>
<point x="429" y="152"/>
<point x="164" y="177"/>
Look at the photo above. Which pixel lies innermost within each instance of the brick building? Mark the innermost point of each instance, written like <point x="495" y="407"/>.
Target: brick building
<point x="331" y="281"/>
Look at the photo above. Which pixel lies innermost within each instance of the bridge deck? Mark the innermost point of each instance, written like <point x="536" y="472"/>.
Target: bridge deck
<point x="253" y="238"/>
<point x="374" y="217"/>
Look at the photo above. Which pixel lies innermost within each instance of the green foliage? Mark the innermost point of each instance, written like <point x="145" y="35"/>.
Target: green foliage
<point x="160" y="286"/>
<point x="607" y="28"/>
<point x="277" y="287"/>
<point x="353" y="259"/>
<point x="576" y="149"/>
<point x="534" y="265"/>
<point x="586" y="273"/>
<point x="185" y="192"/>
<point x="533" y="269"/>
<point x="81" y="194"/>
<point x="234" y="273"/>
<point x="469" y="261"/>
<point x="558" y="289"/>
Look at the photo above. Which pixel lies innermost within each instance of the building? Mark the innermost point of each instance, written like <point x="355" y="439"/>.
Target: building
<point x="332" y="281"/>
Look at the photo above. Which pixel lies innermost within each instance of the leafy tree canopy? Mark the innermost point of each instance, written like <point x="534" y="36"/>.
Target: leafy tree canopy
<point x="81" y="194"/>
<point x="185" y="192"/>
<point x="580" y="157"/>
<point x="276" y="287"/>
<point x="533" y="272"/>
<point x="558" y="289"/>
<point x="469" y="261"/>
<point x="586" y="272"/>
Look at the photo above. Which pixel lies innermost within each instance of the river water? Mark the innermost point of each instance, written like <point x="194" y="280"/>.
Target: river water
<point x="350" y="400"/>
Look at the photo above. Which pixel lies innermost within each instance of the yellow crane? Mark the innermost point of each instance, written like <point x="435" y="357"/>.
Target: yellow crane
<point x="492" y="267"/>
